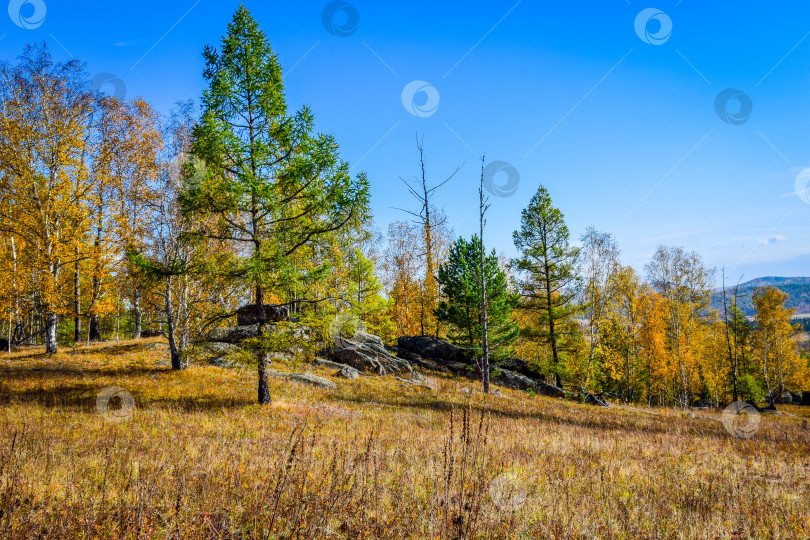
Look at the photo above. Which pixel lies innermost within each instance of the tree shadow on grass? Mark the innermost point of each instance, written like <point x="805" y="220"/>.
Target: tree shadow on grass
<point x="81" y="397"/>
<point x="607" y="423"/>
<point x="62" y="368"/>
<point x="37" y="352"/>
<point x="75" y="389"/>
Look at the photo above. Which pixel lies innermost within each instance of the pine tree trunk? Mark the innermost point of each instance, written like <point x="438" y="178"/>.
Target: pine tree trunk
<point x="552" y="334"/>
<point x="261" y="355"/>
<point x="555" y="355"/>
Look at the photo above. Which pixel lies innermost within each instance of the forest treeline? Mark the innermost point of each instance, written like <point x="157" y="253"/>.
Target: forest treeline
<point x="116" y="221"/>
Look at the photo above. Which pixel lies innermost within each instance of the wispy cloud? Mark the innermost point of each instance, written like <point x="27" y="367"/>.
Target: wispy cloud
<point x="772" y="240"/>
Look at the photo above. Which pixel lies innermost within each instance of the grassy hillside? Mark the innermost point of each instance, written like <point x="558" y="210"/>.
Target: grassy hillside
<point x="797" y="289"/>
<point x="374" y="458"/>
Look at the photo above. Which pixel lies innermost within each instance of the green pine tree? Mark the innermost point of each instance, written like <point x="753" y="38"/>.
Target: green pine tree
<point x="460" y="281"/>
<point x="272" y="186"/>
<point x="548" y="275"/>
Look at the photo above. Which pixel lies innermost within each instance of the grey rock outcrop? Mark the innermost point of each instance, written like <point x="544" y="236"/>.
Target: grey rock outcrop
<point x="233" y="335"/>
<point x="366" y="359"/>
<point x="250" y="314"/>
<point x="703" y="404"/>
<point x="348" y="372"/>
<point x="460" y="369"/>
<point x="594" y="399"/>
<point x="240" y="333"/>
<point x="216" y="349"/>
<point x="517" y="381"/>
<point x="312" y="380"/>
<point x="323" y="362"/>
<point x="367" y="353"/>
<point x="223" y="362"/>
<point x="431" y="347"/>
<point x="216" y="354"/>
<point x="417" y="380"/>
<point x="517" y="365"/>
<point x="303" y="378"/>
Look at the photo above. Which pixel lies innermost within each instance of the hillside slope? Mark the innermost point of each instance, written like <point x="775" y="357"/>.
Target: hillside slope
<point x="192" y="456"/>
<point x="797" y="289"/>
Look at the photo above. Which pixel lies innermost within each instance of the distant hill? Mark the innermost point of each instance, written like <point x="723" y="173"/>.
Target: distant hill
<point x="797" y="289"/>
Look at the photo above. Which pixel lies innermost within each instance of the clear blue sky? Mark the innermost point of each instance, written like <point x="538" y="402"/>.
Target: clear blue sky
<point x="621" y="126"/>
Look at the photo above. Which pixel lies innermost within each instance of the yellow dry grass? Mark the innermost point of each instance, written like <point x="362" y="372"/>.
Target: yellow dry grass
<point x="196" y="458"/>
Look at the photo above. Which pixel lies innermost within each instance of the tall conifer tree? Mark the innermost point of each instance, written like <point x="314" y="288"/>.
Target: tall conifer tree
<point x="273" y="184"/>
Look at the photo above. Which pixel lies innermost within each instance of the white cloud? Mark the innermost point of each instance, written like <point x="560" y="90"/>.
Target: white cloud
<point x="772" y="240"/>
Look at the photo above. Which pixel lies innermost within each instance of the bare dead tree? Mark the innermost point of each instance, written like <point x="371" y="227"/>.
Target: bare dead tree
<point x="427" y="219"/>
<point x="483" y="206"/>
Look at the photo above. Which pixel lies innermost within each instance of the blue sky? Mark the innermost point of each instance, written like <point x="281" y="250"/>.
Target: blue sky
<point x="621" y="126"/>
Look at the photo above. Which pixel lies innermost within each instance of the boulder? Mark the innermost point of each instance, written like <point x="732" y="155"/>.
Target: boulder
<point x="421" y="381"/>
<point x="460" y="369"/>
<point x="251" y="314"/>
<point x="303" y="378"/>
<point x="367" y="353"/>
<point x="358" y="338"/>
<point x="234" y="334"/>
<point x="516" y="381"/>
<point x="347" y="372"/>
<point x="433" y="364"/>
<point x="365" y="337"/>
<point x="371" y="360"/>
<point x="518" y="366"/>
<point x="417" y="380"/>
<point x="510" y="379"/>
<point x="240" y="333"/>
<point x="149" y="333"/>
<point x="431" y="347"/>
<point x="223" y="362"/>
<point x="594" y="399"/>
<point x="785" y="398"/>
<point x="323" y="362"/>
<point x="548" y="390"/>
<point x="217" y="349"/>
<point x="408" y="346"/>
<point x="703" y="404"/>
<point x="312" y="380"/>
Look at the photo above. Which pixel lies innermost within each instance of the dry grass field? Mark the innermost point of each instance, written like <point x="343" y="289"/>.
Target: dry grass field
<point x="196" y="458"/>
